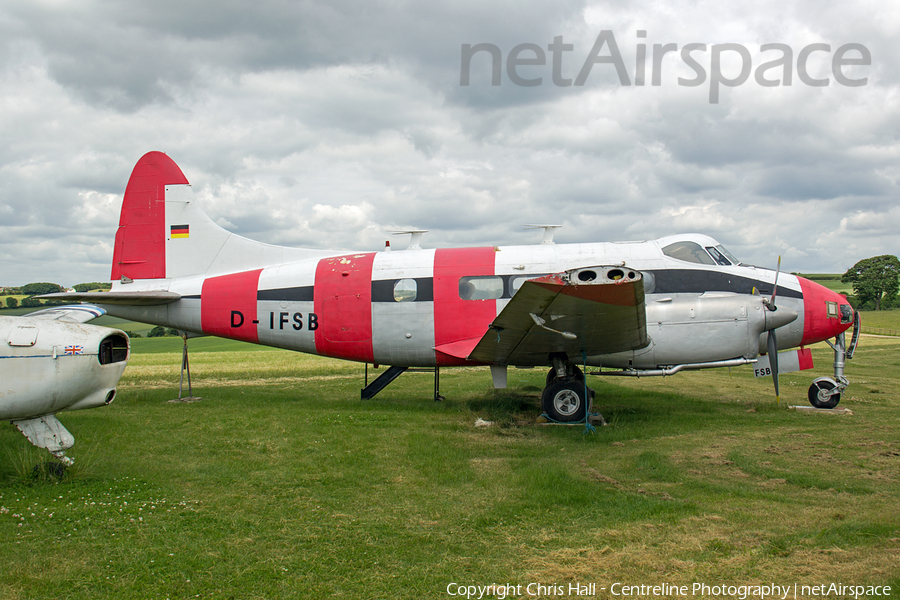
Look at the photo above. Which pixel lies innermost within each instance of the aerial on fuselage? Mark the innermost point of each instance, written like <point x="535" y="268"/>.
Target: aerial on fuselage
<point x="635" y="308"/>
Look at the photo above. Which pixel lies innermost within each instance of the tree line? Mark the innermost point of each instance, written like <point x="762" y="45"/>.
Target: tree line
<point x="44" y="287"/>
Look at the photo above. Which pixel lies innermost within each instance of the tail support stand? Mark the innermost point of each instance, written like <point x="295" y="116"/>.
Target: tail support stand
<point x="588" y="401"/>
<point x="185" y="368"/>
<point x="437" y="385"/>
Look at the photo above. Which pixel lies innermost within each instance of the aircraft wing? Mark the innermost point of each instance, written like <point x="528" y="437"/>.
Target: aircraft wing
<point x="595" y="310"/>
<point x="78" y="313"/>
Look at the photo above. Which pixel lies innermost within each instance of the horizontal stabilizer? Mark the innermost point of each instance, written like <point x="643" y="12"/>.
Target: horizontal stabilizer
<point x="117" y="298"/>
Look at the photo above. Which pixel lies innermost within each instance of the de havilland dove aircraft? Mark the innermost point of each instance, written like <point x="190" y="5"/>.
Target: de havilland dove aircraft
<point x="53" y="362"/>
<point x="632" y="308"/>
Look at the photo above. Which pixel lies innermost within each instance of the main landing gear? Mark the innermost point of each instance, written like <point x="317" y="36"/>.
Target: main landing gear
<point x="566" y="398"/>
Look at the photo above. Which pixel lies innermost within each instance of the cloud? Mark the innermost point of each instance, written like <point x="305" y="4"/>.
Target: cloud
<point x="330" y="124"/>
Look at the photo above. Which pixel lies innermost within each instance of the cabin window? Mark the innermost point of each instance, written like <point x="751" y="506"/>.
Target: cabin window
<point x="515" y="283"/>
<point x="405" y="290"/>
<point x="689" y="252"/>
<point x="649" y="280"/>
<point x="481" y="288"/>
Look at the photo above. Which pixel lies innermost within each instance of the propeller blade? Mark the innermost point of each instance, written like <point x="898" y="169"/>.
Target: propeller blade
<point x="771" y="303"/>
<point x="772" y="351"/>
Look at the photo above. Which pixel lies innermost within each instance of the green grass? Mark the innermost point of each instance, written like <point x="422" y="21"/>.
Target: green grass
<point x="281" y="483"/>
<point x="888" y="320"/>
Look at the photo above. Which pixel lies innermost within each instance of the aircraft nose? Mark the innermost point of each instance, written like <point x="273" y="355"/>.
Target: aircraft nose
<point x="825" y="312"/>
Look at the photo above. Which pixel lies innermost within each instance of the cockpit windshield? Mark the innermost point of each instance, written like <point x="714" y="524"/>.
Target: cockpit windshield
<point x="695" y="253"/>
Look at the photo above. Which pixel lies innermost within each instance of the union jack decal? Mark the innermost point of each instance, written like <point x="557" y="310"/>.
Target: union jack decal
<point x="74" y="349"/>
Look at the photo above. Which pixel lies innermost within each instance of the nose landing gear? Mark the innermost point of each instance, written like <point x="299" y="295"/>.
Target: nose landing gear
<point x="826" y="392"/>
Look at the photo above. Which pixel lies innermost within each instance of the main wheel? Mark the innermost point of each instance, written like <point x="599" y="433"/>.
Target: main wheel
<point x="564" y="400"/>
<point x="571" y="371"/>
<point x="819" y="393"/>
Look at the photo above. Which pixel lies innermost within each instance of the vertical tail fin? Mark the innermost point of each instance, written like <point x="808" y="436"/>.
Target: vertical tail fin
<point x="163" y="234"/>
<point x="140" y="247"/>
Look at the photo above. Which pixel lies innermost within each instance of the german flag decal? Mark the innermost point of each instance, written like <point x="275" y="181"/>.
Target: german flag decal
<point x="179" y="231"/>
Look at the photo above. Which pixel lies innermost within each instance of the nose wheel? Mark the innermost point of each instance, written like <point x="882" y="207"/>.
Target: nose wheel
<point x="824" y="393"/>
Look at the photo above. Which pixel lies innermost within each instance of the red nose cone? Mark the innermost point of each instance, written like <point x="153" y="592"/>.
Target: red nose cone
<point x="825" y="313"/>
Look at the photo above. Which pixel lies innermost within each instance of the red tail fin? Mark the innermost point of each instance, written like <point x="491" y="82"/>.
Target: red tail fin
<point x="140" y="249"/>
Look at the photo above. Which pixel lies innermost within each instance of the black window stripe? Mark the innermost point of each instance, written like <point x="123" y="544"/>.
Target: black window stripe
<point x="293" y="294"/>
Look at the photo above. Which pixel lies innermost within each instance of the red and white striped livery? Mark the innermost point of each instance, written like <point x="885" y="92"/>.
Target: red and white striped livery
<point x="631" y="308"/>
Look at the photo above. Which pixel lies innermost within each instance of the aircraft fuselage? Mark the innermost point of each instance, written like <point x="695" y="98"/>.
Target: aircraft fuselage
<point x="402" y="307"/>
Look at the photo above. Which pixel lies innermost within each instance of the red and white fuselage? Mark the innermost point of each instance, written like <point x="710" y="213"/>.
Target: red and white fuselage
<point x="406" y="307"/>
<point x="681" y="300"/>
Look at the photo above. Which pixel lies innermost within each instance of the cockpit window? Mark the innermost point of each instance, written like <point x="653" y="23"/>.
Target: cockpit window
<point x="727" y="255"/>
<point x="688" y="252"/>
<point x="718" y="256"/>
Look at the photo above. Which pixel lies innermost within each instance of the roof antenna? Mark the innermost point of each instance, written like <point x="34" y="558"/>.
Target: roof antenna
<point x="548" y="232"/>
<point x="415" y="237"/>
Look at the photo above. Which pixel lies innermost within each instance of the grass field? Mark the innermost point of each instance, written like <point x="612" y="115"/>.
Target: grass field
<point x="281" y="483"/>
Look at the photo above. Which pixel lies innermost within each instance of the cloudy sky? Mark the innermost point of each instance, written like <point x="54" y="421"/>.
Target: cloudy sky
<point x="329" y="124"/>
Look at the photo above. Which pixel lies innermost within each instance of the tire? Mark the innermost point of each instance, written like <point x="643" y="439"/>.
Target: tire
<point x="564" y="401"/>
<point x="819" y="400"/>
<point x="572" y="371"/>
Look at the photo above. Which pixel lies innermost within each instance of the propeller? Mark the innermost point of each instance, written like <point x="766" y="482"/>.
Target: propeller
<point x="772" y="350"/>
<point x="770" y="303"/>
<point x="771" y="338"/>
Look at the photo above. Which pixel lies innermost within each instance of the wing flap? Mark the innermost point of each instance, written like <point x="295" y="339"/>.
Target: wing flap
<point x="595" y="310"/>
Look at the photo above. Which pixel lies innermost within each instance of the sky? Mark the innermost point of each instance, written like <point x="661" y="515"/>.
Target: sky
<point x="331" y="124"/>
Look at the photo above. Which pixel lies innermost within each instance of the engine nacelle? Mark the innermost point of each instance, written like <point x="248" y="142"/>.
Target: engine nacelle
<point x="699" y="329"/>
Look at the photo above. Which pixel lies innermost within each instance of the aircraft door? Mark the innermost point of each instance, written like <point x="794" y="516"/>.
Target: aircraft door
<point x="464" y="304"/>
<point x="343" y="302"/>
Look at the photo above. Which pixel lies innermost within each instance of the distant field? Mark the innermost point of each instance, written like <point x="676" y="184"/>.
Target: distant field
<point x="281" y="483"/>
<point x="830" y="280"/>
<point x="882" y="319"/>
